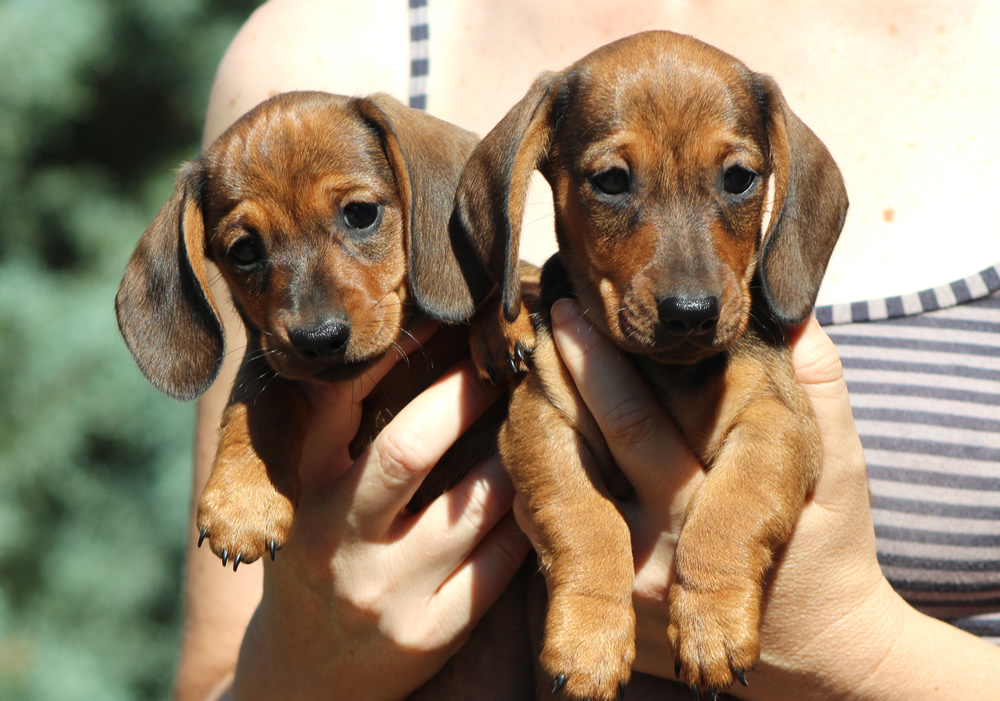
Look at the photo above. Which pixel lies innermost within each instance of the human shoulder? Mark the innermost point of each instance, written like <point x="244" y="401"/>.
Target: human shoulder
<point x="342" y="47"/>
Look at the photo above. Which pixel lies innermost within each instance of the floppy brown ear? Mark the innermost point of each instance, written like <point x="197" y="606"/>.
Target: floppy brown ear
<point x="165" y="310"/>
<point x="489" y="204"/>
<point x="810" y="204"/>
<point x="427" y="156"/>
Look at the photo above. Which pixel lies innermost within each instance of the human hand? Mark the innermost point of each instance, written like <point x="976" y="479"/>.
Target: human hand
<point x="366" y="598"/>
<point x="826" y="584"/>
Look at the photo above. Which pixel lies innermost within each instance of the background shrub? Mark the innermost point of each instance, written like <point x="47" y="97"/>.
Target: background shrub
<point x="100" y="101"/>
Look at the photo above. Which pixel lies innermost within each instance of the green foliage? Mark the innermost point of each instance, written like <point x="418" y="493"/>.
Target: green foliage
<point x="100" y="101"/>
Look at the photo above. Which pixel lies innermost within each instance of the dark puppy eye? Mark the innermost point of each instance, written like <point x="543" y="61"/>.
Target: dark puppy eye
<point x="245" y="254"/>
<point x="737" y="180"/>
<point x="360" y="215"/>
<point x="613" y="181"/>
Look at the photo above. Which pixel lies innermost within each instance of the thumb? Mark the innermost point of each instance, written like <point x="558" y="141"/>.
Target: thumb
<point x="820" y="373"/>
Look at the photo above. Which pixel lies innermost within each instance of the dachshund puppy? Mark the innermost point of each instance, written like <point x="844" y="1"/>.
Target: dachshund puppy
<point x="695" y="215"/>
<point x="327" y="217"/>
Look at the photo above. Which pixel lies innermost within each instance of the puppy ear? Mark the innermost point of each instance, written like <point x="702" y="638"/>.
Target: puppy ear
<point x="810" y="204"/>
<point x="427" y="156"/>
<point x="165" y="309"/>
<point x="489" y="204"/>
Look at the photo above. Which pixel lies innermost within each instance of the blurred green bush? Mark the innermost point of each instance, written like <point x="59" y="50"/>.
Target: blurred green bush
<point x="100" y="101"/>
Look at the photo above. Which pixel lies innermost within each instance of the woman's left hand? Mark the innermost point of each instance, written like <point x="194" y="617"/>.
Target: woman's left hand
<point x="826" y="583"/>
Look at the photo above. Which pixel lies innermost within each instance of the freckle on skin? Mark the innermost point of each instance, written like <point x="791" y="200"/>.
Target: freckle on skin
<point x="893" y="30"/>
<point x="888" y="215"/>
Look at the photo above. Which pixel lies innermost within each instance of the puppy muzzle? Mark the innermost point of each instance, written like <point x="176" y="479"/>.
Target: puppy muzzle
<point x="681" y="316"/>
<point x="316" y="351"/>
<point x="322" y="343"/>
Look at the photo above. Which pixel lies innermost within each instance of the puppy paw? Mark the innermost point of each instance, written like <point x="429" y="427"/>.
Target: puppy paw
<point x="502" y="349"/>
<point x="714" y="636"/>
<point x="589" y="647"/>
<point x="243" y="527"/>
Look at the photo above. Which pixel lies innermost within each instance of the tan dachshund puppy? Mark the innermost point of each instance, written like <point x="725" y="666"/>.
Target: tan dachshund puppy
<point x="695" y="215"/>
<point x="328" y="218"/>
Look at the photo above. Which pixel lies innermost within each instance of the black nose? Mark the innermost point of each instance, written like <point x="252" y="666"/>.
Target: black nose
<point x="321" y="342"/>
<point x="689" y="313"/>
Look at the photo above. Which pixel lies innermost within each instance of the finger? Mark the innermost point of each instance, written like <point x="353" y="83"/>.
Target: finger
<point x="387" y="474"/>
<point x="330" y="397"/>
<point x="475" y="586"/>
<point x="818" y="368"/>
<point x="819" y="371"/>
<point x="643" y="439"/>
<point x="335" y="410"/>
<point x="452" y="526"/>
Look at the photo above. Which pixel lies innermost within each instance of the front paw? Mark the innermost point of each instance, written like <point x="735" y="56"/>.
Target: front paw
<point x="502" y="349"/>
<point x="243" y="527"/>
<point x="714" y="635"/>
<point x="589" y="646"/>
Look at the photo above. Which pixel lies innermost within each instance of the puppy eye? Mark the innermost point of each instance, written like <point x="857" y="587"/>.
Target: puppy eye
<point x="737" y="180"/>
<point x="360" y="215"/>
<point x="613" y="181"/>
<point x="245" y="254"/>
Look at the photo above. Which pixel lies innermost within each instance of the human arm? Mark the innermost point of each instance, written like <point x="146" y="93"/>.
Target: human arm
<point x="832" y="626"/>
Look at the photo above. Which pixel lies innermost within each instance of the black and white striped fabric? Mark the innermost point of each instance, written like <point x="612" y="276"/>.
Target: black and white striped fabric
<point x="923" y="372"/>
<point x="419" y="54"/>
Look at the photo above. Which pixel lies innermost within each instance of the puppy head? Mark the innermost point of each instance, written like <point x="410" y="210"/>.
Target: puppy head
<point x="679" y="179"/>
<point x="325" y="215"/>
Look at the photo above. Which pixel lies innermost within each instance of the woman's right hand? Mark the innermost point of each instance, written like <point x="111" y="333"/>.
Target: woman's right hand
<point x="366" y="600"/>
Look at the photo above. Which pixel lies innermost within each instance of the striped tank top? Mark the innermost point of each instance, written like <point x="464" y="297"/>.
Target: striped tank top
<point x="923" y="371"/>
